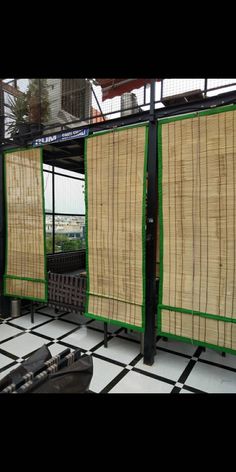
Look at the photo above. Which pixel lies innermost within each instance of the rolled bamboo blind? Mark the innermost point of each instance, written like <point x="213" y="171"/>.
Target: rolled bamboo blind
<point x="115" y="207"/>
<point x="198" y="233"/>
<point x="25" y="272"/>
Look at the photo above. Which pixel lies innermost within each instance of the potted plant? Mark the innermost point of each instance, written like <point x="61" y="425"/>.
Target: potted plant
<point x="38" y="104"/>
<point x="19" y="116"/>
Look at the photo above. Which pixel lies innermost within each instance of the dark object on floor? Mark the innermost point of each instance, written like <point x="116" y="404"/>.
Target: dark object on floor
<point x="74" y="378"/>
<point x="33" y="363"/>
<point x="42" y="373"/>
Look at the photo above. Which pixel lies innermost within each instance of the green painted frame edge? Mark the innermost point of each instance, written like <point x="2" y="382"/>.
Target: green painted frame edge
<point x="86" y="227"/>
<point x="144" y="224"/>
<point x="114" y="322"/>
<point x="161" y="122"/>
<point x="45" y="299"/>
<point x="120" y="128"/>
<point x="89" y="315"/>
<point x="198" y="313"/>
<point x="160" y="206"/>
<point x="197" y="343"/>
<point x="209" y="111"/>
<point x="44" y="227"/>
<point x="29" y="279"/>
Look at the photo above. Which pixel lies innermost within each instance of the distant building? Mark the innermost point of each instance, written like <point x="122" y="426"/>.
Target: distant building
<point x="7" y="91"/>
<point x="73" y="227"/>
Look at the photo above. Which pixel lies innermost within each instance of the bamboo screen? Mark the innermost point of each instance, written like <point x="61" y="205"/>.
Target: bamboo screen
<point x="25" y="274"/>
<point x="197" y="177"/>
<point x="115" y="207"/>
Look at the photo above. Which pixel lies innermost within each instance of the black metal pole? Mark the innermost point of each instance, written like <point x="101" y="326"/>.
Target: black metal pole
<point x="151" y="237"/>
<point x="53" y="211"/>
<point x="32" y="311"/>
<point x="105" y="334"/>
<point x="162" y="84"/>
<point x="205" y="88"/>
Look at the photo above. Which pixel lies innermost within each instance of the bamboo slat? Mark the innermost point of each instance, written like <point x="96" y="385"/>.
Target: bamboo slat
<point x="115" y="174"/>
<point x="25" y="251"/>
<point x="199" y="216"/>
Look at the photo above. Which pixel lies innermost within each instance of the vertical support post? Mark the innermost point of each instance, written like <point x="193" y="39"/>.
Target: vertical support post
<point x="53" y="210"/>
<point x="32" y="311"/>
<point x="105" y="334"/>
<point x="151" y="237"/>
<point x="205" y="88"/>
<point x="162" y="85"/>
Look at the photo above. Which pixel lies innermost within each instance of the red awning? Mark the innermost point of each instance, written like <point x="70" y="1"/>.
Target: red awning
<point x="116" y="87"/>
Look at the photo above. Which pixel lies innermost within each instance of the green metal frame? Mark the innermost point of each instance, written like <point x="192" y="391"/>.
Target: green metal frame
<point x="10" y="276"/>
<point x="161" y="307"/>
<point x="100" y="317"/>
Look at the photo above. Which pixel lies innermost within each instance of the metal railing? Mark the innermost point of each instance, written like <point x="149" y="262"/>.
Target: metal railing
<point x="33" y="107"/>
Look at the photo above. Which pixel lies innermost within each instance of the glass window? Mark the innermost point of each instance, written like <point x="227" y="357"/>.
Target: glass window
<point x="48" y="228"/>
<point x="47" y="167"/>
<point x="69" y="233"/>
<point x="48" y="191"/>
<point x="68" y="172"/>
<point x="69" y="195"/>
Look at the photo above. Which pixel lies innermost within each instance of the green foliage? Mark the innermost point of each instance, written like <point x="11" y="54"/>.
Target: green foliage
<point x="63" y="243"/>
<point x="48" y="244"/>
<point x="18" y="113"/>
<point x="29" y="107"/>
<point x="38" y="102"/>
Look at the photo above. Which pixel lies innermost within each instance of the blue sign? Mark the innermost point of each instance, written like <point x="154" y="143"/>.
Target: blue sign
<point x="59" y="137"/>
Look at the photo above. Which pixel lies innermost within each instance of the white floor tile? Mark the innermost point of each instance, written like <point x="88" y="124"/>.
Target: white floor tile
<point x="4" y="360"/>
<point x="103" y="373"/>
<point x="134" y="382"/>
<point x="23" y="344"/>
<point x="185" y="391"/>
<point x="8" y="331"/>
<point x="84" y="338"/>
<point x="177" y="346"/>
<point x="25" y="321"/>
<point x="212" y="379"/>
<point x="55" y="328"/>
<point x="6" y="372"/>
<point x="166" y="365"/>
<point x="120" y="350"/>
<point x="215" y="356"/>
<point x="56" y="349"/>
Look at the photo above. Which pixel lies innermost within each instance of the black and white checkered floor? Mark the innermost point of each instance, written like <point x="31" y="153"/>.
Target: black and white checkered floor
<point x="119" y="368"/>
